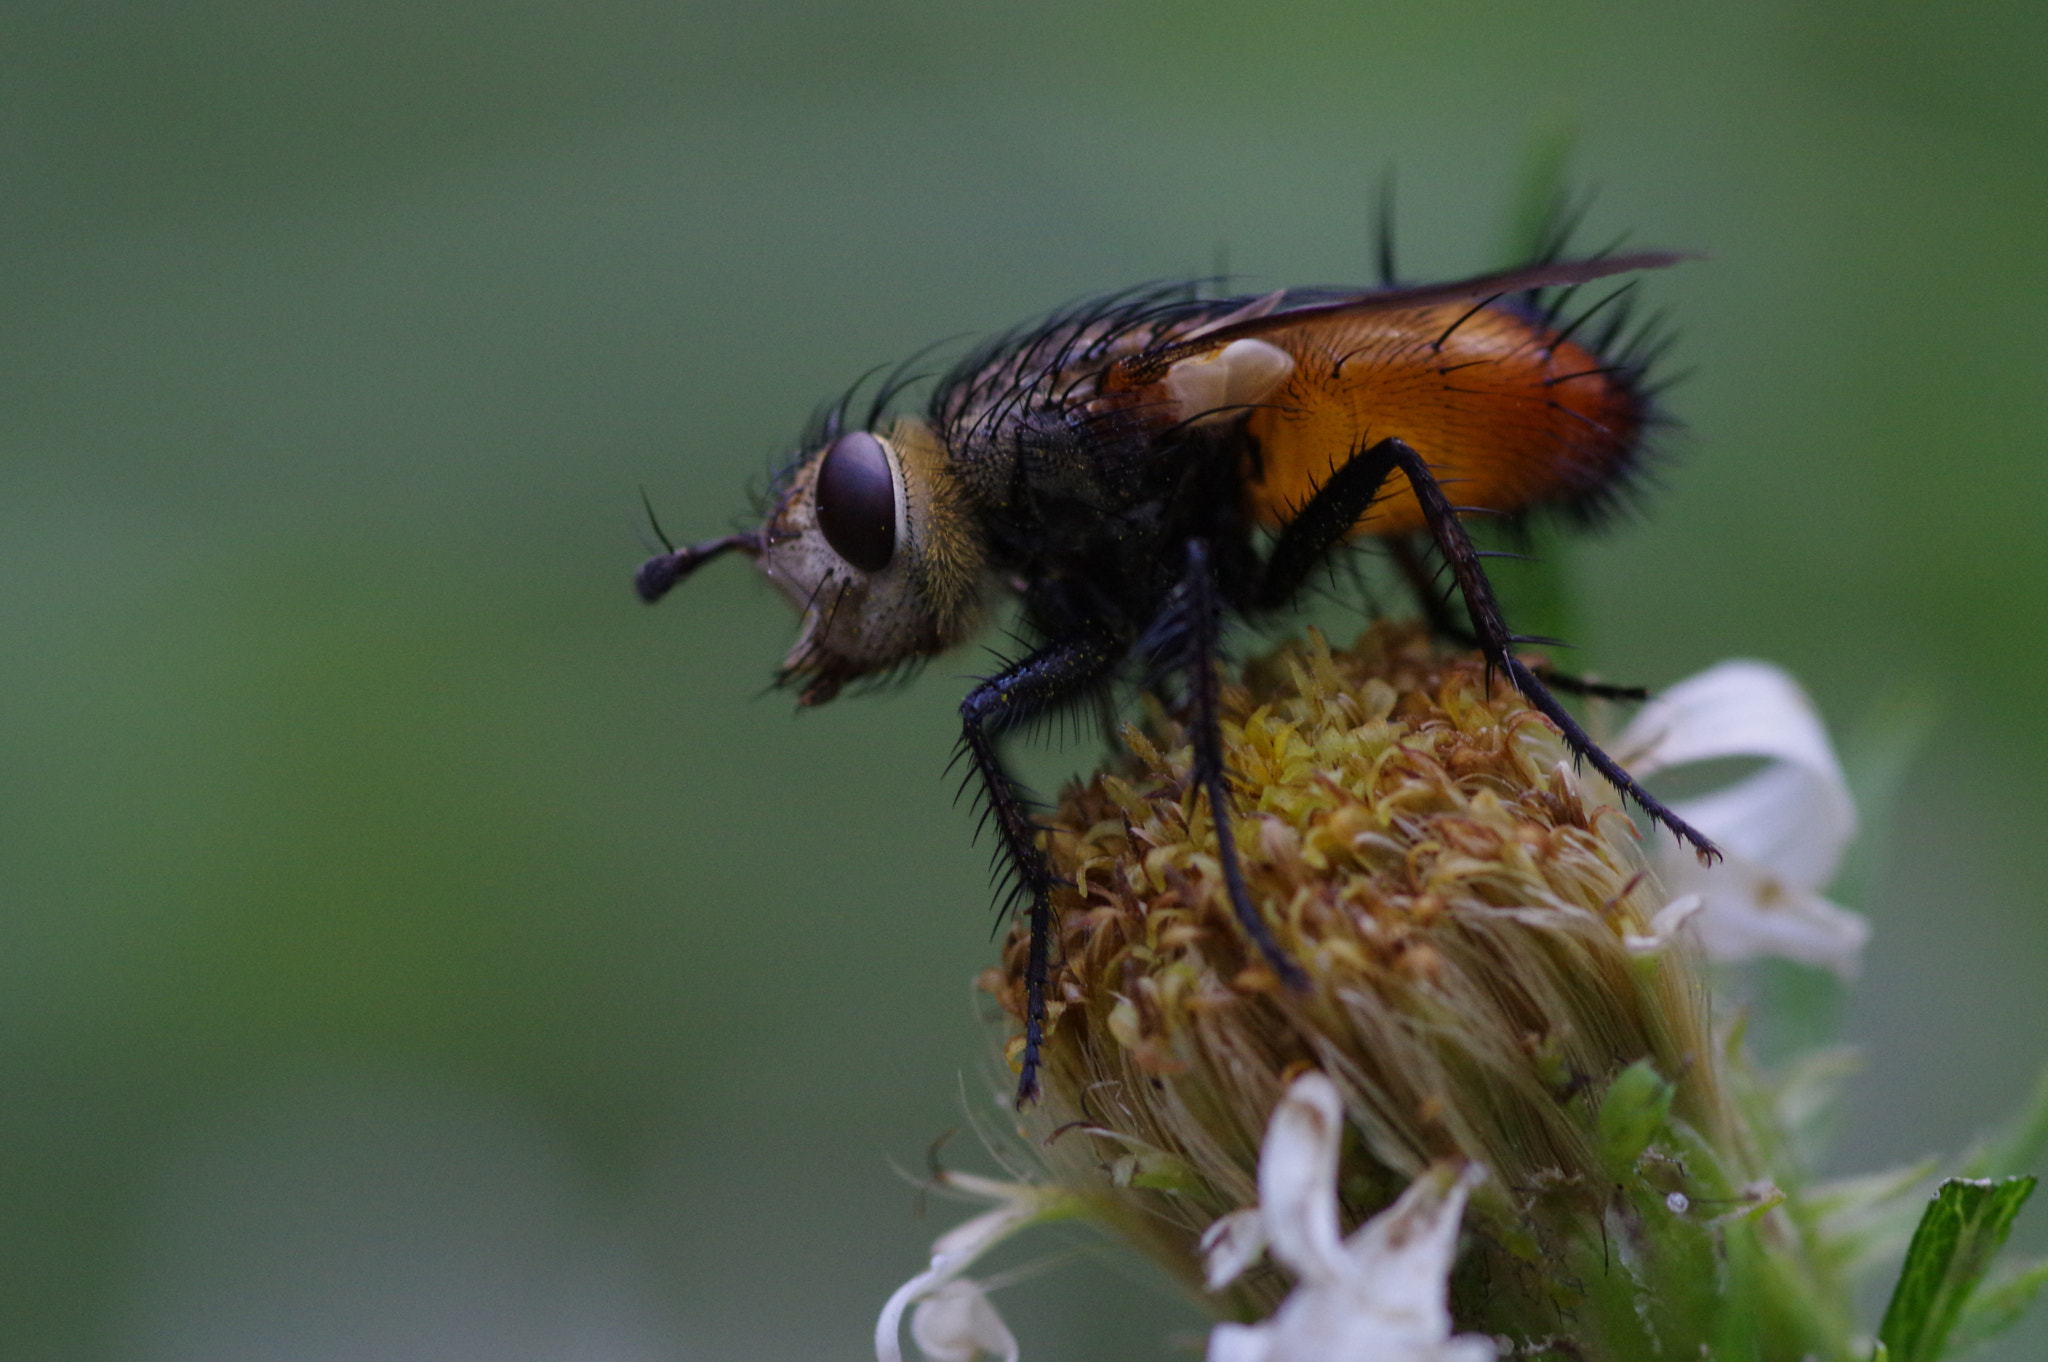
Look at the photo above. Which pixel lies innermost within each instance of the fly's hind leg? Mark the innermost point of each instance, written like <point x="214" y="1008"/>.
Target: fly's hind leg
<point x="1330" y="515"/>
<point x="1047" y="678"/>
<point x="1436" y="613"/>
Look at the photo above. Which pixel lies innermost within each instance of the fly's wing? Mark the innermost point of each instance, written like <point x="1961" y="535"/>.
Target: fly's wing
<point x="1509" y="412"/>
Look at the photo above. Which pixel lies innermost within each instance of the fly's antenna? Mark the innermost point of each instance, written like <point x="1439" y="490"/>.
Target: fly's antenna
<point x="662" y="573"/>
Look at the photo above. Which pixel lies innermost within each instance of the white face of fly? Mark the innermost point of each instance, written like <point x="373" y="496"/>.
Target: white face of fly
<point x="868" y="541"/>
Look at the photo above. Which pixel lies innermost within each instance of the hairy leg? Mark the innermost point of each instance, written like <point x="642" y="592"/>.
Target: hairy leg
<point x="1335" y="509"/>
<point x="1187" y="638"/>
<point x="1056" y="673"/>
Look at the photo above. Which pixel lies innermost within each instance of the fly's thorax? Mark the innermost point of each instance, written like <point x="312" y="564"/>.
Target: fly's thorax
<point x="871" y="537"/>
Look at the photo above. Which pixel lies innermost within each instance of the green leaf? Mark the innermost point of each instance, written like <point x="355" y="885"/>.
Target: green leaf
<point x="1959" y="1234"/>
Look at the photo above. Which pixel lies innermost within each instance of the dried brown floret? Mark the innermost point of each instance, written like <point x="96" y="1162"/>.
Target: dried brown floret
<point x="1462" y="904"/>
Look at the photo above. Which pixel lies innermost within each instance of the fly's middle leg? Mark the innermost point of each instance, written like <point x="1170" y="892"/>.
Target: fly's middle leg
<point x="1188" y="638"/>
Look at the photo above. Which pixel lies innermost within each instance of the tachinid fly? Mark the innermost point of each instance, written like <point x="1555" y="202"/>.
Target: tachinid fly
<point x="1143" y="468"/>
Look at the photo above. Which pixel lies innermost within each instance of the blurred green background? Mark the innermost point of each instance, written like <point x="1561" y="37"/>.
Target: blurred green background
<point x="411" y="947"/>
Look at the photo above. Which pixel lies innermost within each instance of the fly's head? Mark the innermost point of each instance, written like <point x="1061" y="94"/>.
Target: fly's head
<point x="871" y="538"/>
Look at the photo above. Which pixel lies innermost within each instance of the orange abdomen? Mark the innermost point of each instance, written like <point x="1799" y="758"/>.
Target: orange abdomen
<point x="1507" y="415"/>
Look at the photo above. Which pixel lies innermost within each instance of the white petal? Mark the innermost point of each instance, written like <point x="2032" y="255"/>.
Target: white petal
<point x="1782" y="830"/>
<point x="958" y="1247"/>
<point x="956" y="1323"/>
<point x="1019" y="1204"/>
<point x="1749" y="912"/>
<point x="1733" y="709"/>
<point x="1378" y="1297"/>
<point x="1665" y="925"/>
<point x="1240" y="1343"/>
<point x="1401" y="1258"/>
<point x="1231" y="1244"/>
<point x="1389" y="1305"/>
<point x="1795" y="819"/>
<point x="1795" y="815"/>
<point x="1298" y="1178"/>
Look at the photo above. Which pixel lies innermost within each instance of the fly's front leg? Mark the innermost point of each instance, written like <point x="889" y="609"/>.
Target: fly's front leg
<point x="1054" y="674"/>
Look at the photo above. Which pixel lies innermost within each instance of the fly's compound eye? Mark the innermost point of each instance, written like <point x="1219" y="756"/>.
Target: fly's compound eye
<point x="856" y="501"/>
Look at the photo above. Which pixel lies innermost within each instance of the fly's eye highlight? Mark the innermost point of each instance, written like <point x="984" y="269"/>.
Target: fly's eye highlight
<point x="856" y="501"/>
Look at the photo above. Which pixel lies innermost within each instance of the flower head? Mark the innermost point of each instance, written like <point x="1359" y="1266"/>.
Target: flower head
<point x="1497" y="981"/>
